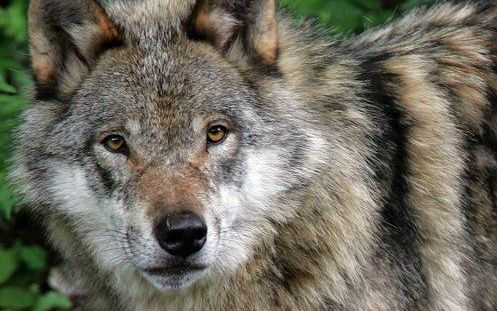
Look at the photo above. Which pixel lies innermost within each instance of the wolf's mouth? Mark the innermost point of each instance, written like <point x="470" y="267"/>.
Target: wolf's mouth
<point x="174" y="277"/>
<point x="174" y="269"/>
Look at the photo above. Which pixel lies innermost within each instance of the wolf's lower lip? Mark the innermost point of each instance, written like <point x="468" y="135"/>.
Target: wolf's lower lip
<point x="176" y="269"/>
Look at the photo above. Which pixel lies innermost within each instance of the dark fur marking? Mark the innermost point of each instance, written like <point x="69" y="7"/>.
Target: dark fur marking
<point x="232" y="170"/>
<point x="401" y="235"/>
<point x="490" y="139"/>
<point x="44" y="91"/>
<point x="492" y="187"/>
<point x="489" y="127"/>
<point x="105" y="176"/>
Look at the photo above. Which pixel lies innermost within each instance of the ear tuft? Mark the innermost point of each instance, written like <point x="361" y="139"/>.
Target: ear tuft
<point x="265" y="33"/>
<point x="253" y="23"/>
<point x="108" y="30"/>
<point x="66" y="38"/>
<point x="214" y="24"/>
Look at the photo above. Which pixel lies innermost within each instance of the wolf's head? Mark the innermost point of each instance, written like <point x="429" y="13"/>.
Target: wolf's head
<point x="161" y="137"/>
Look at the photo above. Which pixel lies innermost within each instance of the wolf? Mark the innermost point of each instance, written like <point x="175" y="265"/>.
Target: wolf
<point x="218" y="155"/>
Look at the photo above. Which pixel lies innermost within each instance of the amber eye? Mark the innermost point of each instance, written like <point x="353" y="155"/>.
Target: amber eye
<point x="115" y="143"/>
<point x="216" y="134"/>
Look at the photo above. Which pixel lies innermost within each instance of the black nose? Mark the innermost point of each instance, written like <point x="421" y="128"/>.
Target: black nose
<point x="181" y="235"/>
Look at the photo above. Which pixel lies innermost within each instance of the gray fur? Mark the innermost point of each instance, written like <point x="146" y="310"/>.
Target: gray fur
<point x="356" y="175"/>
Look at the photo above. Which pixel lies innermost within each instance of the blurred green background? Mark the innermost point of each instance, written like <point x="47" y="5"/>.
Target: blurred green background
<point x="24" y="258"/>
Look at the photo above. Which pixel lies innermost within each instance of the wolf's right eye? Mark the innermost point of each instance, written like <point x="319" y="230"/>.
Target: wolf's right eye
<point x="216" y="134"/>
<point x="115" y="143"/>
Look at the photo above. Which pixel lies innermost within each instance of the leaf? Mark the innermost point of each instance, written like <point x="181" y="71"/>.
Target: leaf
<point x="22" y="79"/>
<point x="5" y="87"/>
<point x="409" y="4"/>
<point x="375" y="19"/>
<point x="34" y="257"/>
<point x="52" y="300"/>
<point x="17" y="298"/>
<point x="7" y="203"/>
<point x="8" y="264"/>
<point x="16" y="26"/>
<point x="344" y="15"/>
<point x="368" y="4"/>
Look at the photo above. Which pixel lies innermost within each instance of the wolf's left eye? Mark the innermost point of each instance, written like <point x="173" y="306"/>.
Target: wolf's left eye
<point x="216" y="134"/>
<point x="115" y="143"/>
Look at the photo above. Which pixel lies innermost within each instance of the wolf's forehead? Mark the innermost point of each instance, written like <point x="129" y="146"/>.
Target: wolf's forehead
<point x="164" y="58"/>
<point x="156" y="28"/>
<point x="151" y="19"/>
<point x="163" y="72"/>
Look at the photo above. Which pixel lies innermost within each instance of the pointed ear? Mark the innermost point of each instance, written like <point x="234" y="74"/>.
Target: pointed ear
<point x="247" y="26"/>
<point x="66" y="38"/>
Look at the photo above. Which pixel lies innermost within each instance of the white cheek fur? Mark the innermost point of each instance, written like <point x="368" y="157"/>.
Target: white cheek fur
<point x="244" y="212"/>
<point x="92" y="217"/>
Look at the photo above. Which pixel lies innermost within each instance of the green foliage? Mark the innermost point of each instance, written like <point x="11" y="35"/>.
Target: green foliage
<point x="13" y="22"/>
<point x="343" y="17"/>
<point x="8" y="264"/>
<point x="17" y="298"/>
<point x="20" y="298"/>
<point x="52" y="300"/>
<point x="13" y="80"/>
<point x="24" y="268"/>
<point x="34" y="257"/>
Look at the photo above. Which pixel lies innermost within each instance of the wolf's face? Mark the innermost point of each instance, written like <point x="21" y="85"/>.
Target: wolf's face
<point x="158" y="154"/>
<point x="181" y="169"/>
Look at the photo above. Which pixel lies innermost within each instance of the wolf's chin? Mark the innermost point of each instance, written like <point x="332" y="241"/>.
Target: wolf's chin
<point x="173" y="282"/>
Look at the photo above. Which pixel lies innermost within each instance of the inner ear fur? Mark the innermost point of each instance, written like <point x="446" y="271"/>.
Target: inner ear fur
<point x="249" y="25"/>
<point x="66" y="38"/>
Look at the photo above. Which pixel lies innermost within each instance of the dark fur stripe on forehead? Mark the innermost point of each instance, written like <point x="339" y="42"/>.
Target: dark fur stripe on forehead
<point x="401" y="236"/>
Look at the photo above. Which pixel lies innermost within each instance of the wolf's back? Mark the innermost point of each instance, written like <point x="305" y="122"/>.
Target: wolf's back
<point x="432" y="81"/>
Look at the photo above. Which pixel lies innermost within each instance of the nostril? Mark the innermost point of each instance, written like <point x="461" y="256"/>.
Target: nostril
<point x="181" y="235"/>
<point x="199" y="233"/>
<point x="174" y="236"/>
